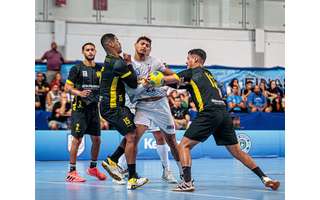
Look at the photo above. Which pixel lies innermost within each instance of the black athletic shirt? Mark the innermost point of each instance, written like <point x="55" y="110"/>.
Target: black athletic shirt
<point x="202" y="86"/>
<point x="84" y="77"/>
<point x="114" y="74"/>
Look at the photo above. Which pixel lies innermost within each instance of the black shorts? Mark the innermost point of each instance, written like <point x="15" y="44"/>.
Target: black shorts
<point x="121" y="118"/>
<point x="86" y="121"/>
<point x="214" y="121"/>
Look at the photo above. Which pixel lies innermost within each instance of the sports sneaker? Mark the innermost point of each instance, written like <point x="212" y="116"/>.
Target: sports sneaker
<point x="168" y="176"/>
<point x="184" y="187"/>
<point x="268" y="182"/>
<point x="121" y="182"/>
<point x="74" y="177"/>
<point x="124" y="172"/>
<point x="112" y="168"/>
<point x="95" y="172"/>
<point x="134" y="183"/>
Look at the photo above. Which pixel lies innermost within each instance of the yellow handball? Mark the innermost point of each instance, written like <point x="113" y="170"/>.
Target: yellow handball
<point x="156" y="79"/>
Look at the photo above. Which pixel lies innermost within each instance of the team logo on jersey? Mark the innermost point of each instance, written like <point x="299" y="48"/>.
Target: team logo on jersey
<point x="81" y="146"/>
<point x="84" y="73"/>
<point x="245" y="142"/>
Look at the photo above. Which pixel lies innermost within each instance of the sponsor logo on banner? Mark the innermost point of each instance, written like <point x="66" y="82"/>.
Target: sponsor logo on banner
<point x="150" y="143"/>
<point x="81" y="146"/>
<point x="245" y="142"/>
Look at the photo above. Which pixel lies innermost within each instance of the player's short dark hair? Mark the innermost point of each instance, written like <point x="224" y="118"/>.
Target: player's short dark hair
<point x="144" y="38"/>
<point x="199" y="52"/>
<point x="88" y="43"/>
<point x="106" y="38"/>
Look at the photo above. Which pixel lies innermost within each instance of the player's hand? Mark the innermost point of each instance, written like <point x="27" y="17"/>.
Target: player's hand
<point x="84" y="93"/>
<point x="127" y="58"/>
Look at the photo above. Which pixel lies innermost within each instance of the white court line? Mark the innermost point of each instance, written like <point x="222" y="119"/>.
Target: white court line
<point x="168" y="191"/>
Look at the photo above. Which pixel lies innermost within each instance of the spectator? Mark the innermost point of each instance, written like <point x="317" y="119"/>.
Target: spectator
<point x="257" y="102"/>
<point x="61" y="112"/>
<point x="37" y="103"/>
<point x="180" y="115"/>
<point x="54" y="61"/>
<point x="172" y="95"/>
<point x="263" y="89"/>
<point x="233" y="82"/>
<point x="235" y="102"/>
<point x="247" y="91"/>
<point x="193" y="112"/>
<point x="42" y="87"/>
<point x="53" y="97"/>
<point x="275" y="96"/>
<point x="277" y="105"/>
<point x="184" y="96"/>
<point x="57" y="81"/>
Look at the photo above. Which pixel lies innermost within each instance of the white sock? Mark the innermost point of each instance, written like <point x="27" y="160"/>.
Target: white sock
<point x="179" y="167"/>
<point x="122" y="162"/>
<point x="163" y="154"/>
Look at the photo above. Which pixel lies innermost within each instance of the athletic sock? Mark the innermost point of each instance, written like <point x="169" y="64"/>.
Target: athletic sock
<point x="163" y="154"/>
<point x="116" y="155"/>
<point x="186" y="173"/>
<point x="93" y="164"/>
<point x="259" y="172"/>
<point x="132" y="171"/>
<point x="72" y="167"/>
<point x="179" y="167"/>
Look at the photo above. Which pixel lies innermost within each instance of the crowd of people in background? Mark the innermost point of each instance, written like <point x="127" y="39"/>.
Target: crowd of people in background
<point x="258" y="97"/>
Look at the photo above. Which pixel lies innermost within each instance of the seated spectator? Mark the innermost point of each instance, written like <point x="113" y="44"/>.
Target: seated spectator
<point x="172" y="95"/>
<point x="257" y="102"/>
<point x="247" y="91"/>
<point x="42" y="88"/>
<point x="57" y="81"/>
<point x="61" y="111"/>
<point x="235" y="102"/>
<point x="193" y="112"/>
<point x="37" y="103"/>
<point x="104" y="125"/>
<point x="184" y="96"/>
<point x="266" y="93"/>
<point x="180" y="115"/>
<point x="275" y="96"/>
<point x="234" y="82"/>
<point x="53" y="97"/>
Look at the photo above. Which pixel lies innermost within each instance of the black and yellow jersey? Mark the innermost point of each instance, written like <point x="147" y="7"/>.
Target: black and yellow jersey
<point x="202" y="86"/>
<point x="114" y="74"/>
<point x="84" y="77"/>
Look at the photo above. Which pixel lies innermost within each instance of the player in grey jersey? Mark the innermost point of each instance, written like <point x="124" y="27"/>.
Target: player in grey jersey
<point x="152" y="110"/>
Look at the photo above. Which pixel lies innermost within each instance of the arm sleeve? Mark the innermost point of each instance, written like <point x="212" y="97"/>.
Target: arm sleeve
<point x="72" y="78"/>
<point x="185" y="75"/>
<point x="128" y="76"/>
<point x="44" y="56"/>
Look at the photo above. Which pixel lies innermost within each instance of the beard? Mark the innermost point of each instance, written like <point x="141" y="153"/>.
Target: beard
<point x="90" y="58"/>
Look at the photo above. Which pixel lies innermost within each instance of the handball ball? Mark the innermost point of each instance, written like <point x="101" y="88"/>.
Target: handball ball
<point x="156" y="79"/>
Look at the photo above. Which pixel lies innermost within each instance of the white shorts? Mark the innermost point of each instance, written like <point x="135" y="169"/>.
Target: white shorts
<point x="155" y="114"/>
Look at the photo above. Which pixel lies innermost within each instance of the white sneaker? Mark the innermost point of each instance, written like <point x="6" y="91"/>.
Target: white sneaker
<point x="121" y="182"/>
<point x="134" y="183"/>
<point x="168" y="176"/>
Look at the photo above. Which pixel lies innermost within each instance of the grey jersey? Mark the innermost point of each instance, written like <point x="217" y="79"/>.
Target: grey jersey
<point x="143" y="69"/>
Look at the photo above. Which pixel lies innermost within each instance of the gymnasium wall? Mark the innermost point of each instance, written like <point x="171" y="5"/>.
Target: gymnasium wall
<point x="224" y="47"/>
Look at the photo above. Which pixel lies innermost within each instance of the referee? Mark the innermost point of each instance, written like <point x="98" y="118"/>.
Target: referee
<point x="213" y="119"/>
<point x="83" y="83"/>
